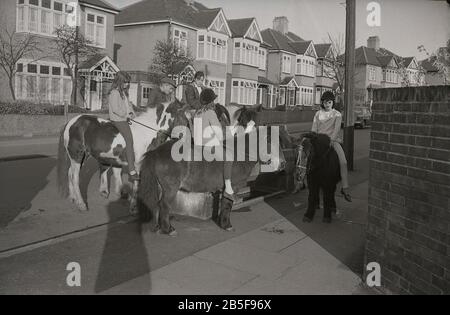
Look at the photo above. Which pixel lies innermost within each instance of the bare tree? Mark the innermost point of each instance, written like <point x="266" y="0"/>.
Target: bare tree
<point x="71" y="46"/>
<point x="14" y="47"/>
<point x="440" y="59"/>
<point x="169" y="59"/>
<point x="334" y="67"/>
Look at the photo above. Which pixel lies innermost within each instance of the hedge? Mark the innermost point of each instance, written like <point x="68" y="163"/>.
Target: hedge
<point x="30" y="108"/>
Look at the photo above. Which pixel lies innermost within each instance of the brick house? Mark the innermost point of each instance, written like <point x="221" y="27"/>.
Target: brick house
<point x="203" y="32"/>
<point x="46" y="80"/>
<point x="291" y="65"/>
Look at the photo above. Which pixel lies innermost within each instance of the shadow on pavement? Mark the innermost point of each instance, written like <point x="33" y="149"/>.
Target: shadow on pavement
<point x="124" y="255"/>
<point x="345" y="237"/>
<point x="20" y="182"/>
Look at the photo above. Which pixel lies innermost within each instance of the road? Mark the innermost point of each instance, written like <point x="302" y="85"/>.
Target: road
<point x="31" y="211"/>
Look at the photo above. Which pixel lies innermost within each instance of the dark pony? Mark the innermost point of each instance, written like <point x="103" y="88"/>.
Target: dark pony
<point x="322" y="172"/>
<point x="162" y="178"/>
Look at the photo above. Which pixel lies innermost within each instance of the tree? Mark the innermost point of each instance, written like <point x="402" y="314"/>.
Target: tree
<point x="169" y="59"/>
<point x="71" y="46"/>
<point x="440" y="59"/>
<point x="14" y="47"/>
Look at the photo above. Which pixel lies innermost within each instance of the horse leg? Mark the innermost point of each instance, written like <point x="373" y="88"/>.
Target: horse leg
<point x="327" y="203"/>
<point x="104" y="189"/>
<point x="224" y="216"/>
<point x="164" y="217"/>
<point x="74" y="174"/>
<point x="133" y="199"/>
<point x="117" y="174"/>
<point x="313" y="196"/>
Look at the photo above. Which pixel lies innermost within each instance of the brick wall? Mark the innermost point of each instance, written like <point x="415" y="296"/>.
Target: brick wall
<point x="409" y="190"/>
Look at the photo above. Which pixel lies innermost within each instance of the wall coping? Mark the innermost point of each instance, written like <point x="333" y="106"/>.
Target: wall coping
<point x="437" y="93"/>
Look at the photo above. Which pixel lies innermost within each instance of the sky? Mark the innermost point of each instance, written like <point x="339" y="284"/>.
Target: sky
<point x="404" y="24"/>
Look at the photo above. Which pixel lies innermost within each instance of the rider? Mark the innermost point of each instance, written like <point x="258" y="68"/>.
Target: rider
<point x="209" y="118"/>
<point x="120" y="110"/>
<point x="328" y="121"/>
<point x="161" y="94"/>
<point x="194" y="90"/>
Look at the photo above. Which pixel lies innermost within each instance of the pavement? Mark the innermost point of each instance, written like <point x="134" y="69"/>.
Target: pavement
<point x="271" y="250"/>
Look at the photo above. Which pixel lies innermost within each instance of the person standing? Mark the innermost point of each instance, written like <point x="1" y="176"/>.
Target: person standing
<point x="162" y="93"/>
<point x="120" y="110"/>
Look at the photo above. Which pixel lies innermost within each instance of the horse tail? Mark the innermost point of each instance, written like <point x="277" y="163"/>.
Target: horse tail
<point x="63" y="165"/>
<point x="148" y="192"/>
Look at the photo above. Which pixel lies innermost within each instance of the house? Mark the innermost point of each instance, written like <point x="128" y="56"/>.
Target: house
<point x="44" y="78"/>
<point x="291" y="64"/>
<point x="432" y="75"/>
<point x="203" y="32"/>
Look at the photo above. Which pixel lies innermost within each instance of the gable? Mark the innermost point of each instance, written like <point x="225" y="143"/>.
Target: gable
<point x="253" y="32"/>
<point x="413" y="64"/>
<point x="392" y="63"/>
<point x="311" y="51"/>
<point x="329" y="54"/>
<point x="220" y="25"/>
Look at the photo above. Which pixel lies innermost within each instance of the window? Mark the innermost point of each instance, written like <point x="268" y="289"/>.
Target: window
<point x="180" y="39"/>
<point x="42" y="82"/>
<point x="372" y="74"/>
<point x="244" y="92"/>
<point x="145" y="92"/>
<point x="215" y="48"/>
<point x="262" y="59"/>
<point x="286" y="64"/>
<point x="305" y="66"/>
<point x="246" y="52"/>
<point x="41" y="16"/>
<point x="218" y="86"/>
<point x="96" y="29"/>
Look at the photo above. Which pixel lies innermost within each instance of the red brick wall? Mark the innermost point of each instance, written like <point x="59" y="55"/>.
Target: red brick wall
<point x="408" y="230"/>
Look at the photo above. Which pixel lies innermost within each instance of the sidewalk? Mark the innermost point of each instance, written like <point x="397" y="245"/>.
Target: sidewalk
<point x="13" y="147"/>
<point x="282" y="257"/>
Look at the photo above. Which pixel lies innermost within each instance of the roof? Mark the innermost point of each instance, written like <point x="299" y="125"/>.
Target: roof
<point x="101" y="4"/>
<point x="239" y="27"/>
<point x="196" y="15"/>
<point x="294" y="37"/>
<point x="264" y="80"/>
<point x="366" y="56"/>
<point x="286" y="80"/>
<point x="322" y="49"/>
<point x="94" y="61"/>
<point x="428" y="64"/>
<point x="300" y="47"/>
<point x="407" y="61"/>
<point x="384" y="60"/>
<point x="277" y="40"/>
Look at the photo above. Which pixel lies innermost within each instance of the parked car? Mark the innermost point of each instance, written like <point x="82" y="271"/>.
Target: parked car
<point x="361" y="117"/>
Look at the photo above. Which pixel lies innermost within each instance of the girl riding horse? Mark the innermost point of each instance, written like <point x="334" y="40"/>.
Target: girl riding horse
<point x="120" y="110"/>
<point x="328" y="121"/>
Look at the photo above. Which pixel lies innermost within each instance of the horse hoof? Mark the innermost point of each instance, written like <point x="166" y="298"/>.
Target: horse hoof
<point x="123" y="195"/>
<point x="133" y="211"/>
<point x="82" y="207"/>
<point x="307" y="219"/>
<point x="229" y="229"/>
<point x="173" y="233"/>
<point x="104" y="194"/>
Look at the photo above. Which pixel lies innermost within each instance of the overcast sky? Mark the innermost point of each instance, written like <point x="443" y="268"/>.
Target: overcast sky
<point x="405" y="24"/>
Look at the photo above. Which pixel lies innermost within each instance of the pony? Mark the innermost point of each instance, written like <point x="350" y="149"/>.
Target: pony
<point x="162" y="178"/>
<point x="320" y="164"/>
<point x="87" y="136"/>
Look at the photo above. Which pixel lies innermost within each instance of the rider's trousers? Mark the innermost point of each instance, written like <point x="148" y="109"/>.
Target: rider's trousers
<point x="124" y="129"/>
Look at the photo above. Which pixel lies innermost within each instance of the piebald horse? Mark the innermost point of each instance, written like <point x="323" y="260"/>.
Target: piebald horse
<point x="87" y="135"/>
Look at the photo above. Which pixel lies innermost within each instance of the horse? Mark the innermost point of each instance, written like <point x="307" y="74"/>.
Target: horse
<point x="320" y="163"/>
<point x="162" y="178"/>
<point x="87" y="135"/>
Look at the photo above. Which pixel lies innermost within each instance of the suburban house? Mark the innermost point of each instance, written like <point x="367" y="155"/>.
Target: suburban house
<point x="203" y="32"/>
<point x="291" y="64"/>
<point x="432" y="75"/>
<point x="44" y="78"/>
<point x="325" y="77"/>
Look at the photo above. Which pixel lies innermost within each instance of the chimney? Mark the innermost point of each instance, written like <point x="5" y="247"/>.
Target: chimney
<point x="281" y="24"/>
<point x="373" y="42"/>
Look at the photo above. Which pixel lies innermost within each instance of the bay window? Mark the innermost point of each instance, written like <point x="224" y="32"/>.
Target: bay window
<point x="246" y="52"/>
<point x="218" y="86"/>
<point x="43" y="82"/>
<point x="41" y="16"/>
<point x="180" y="40"/>
<point x="212" y="47"/>
<point x="244" y="92"/>
<point x="305" y="66"/>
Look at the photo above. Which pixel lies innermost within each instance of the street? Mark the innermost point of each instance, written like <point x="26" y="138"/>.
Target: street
<point x="40" y="234"/>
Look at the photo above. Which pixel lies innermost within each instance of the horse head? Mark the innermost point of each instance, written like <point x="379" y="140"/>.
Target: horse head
<point x="312" y="145"/>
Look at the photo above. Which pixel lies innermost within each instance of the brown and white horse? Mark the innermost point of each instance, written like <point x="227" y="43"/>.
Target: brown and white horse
<point x="87" y="135"/>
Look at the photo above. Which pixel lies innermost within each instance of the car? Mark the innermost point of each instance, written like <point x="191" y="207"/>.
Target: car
<point x="361" y="117"/>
